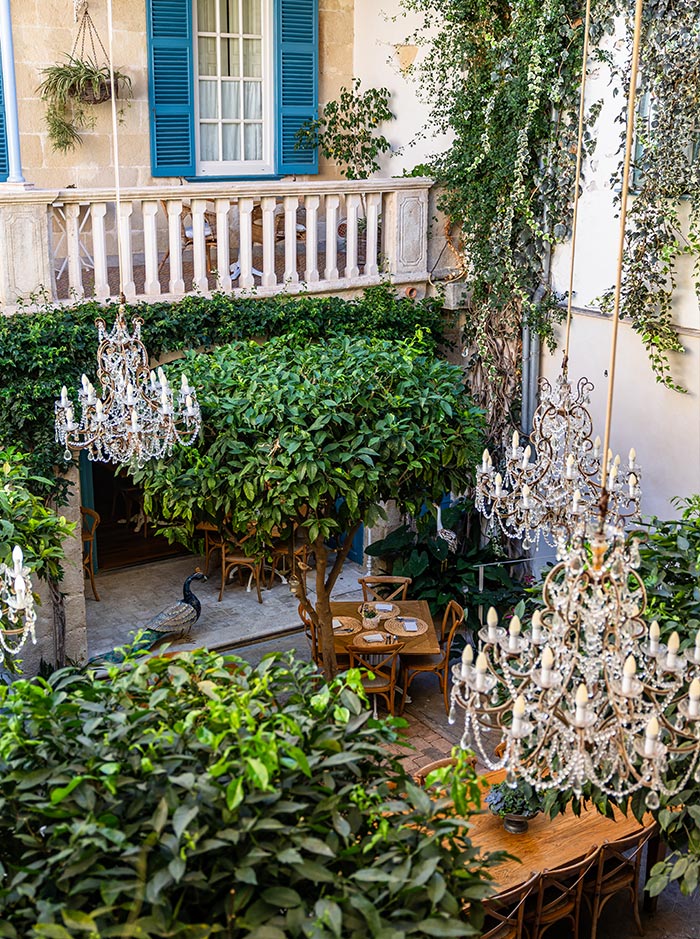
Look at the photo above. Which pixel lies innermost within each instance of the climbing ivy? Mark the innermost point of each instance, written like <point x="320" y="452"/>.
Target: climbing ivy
<point x="503" y="81"/>
<point x="664" y="214"/>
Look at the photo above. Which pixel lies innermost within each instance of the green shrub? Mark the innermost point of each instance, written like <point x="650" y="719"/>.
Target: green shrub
<point x="199" y="796"/>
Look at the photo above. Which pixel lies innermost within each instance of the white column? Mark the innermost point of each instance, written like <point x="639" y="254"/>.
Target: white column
<point x="223" y="262"/>
<point x="177" y="283"/>
<point x="75" y="274"/>
<point x="98" y="210"/>
<point x="151" y="286"/>
<point x="332" y="204"/>
<point x="245" y="227"/>
<point x="268" y="205"/>
<point x="374" y="200"/>
<point x="199" y="246"/>
<point x="10" y="94"/>
<point x="311" y="273"/>
<point x="290" y="240"/>
<point x="352" y="205"/>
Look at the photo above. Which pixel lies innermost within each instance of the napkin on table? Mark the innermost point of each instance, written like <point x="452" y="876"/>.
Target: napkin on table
<point x="410" y="625"/>
<point x="384" y="607"/>
<point x="373" y="637"/>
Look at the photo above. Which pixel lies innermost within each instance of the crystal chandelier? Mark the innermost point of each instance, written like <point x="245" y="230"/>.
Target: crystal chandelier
<point x="137" y="418"/>
<point x="587" y="694"/>
<point x="547" y="496"/>
<point x="555" y="480"/>
<point x="16" y="605"/>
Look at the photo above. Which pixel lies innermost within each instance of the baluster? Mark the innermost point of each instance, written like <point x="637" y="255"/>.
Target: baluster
<point x="245" y="255"/>
<point x="352" y="203"/>
<point x="223" y="263"/>
<point x="199" y="245"/>
<point x="373" y="201"/>
<point x="311" y="273"/>
<point x="268" y="204"/>
<point x="75" y="267"/>
<point x="176" y="284"/>
<point x="332" y="203"/>
<point x="98" y="211"/>
<point x="290" y="240"/>
<point x="151" y="285"/>
<point x="127" y="260"/>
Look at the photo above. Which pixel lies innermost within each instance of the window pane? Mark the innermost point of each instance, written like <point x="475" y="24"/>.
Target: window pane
<point x="252" y="19"/>
<point x="206" y="16"/>
<point x="228" y="11"/>
<point x="232" y="141"/>
<point x="209" y="141"/>
<point x="252" y="134"/>
<point x="230" y="64"/>
<point x="206" y="56"/>
<point x="230" y="100"/>
<point x="252" y="58"/>
<point x="252" y="100"/>
<point x="207" y="99"/>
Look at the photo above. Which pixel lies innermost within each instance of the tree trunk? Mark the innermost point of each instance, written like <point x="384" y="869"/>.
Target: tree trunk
<point x="59" y="623"/>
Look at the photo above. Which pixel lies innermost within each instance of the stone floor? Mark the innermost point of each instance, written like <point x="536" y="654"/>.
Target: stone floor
<point x="131" y="596"/>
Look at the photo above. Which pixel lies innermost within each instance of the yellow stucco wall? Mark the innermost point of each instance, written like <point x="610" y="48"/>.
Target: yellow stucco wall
<point x="44" y="31"/>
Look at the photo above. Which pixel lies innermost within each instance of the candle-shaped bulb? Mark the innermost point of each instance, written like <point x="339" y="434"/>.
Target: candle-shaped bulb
<point x="17" y="559"/>
<point x="570" y="466"/>
<point x="467" y="659"/>
<point x="694" y="698"/>
<point x="64" y="397"/>
<point x="515" y="626"/>
<point x="153" y="380"/>
<point x="654" y="634"/>
<point x="536" y="626"/>
<point x="485" y="461"/>
<point x="20" y="591"/>
<point x="581" y="696"/>
<point x="99" y="407"/>
<point x="164" y="397"/>
<point x="184" y="384"/>
<point x="69" y="416"/>
<point x="576" y="499"/>
<point x="519" y="707"/>
<point x="632" y="457"/>
<point x="673" y="645"/>
<point x="498" y="484"/>
<point x="632" y="483"/>
<point x="188" y="404"/>
<point x="650" y="734"/>
<point x="526" y="456"/>
<point x="596" y="447"/>
<point x="492" y="618"/>
<point x="482" y="665"/>
<point x="628" y="672"/>
<point x="547" y="658"/>
<point x="617" y="460"/>
<point x="161" y="375"/>
<point x="526" y="496"/>
<point x="516" y="440"/>
<point x="84" y="381"/>
<point x="613" y="473"/>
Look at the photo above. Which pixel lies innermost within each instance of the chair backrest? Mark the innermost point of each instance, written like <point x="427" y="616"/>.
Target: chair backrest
<point x="310" y="632"/>
<point x="384" y="588"/>
<point x="90" y="521"/>
<point x="452" y="617"/>
<point x="507" y="909"/>
<point x="623" y="856"/>
<point x="235" y="543"/>
<point x="563" y="885"/>
<point x="186" y="230"/>
<point x="379" y="658"/>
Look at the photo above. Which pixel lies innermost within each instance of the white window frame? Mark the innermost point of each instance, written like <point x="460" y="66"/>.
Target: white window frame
<point x="266" y="166"/>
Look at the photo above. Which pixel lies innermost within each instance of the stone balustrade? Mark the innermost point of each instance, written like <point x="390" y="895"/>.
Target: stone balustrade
<point x="258" y="237"/>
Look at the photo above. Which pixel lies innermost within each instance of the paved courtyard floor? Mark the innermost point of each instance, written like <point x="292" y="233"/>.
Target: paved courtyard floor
<point x="239" y="623"/>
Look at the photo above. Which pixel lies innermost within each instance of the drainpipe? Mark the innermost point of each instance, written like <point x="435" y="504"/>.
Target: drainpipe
<point x="10" y="94"/>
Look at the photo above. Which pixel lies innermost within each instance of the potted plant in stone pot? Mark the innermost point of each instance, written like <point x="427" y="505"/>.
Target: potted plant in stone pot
<point x="70" y="90"/>
<point x="514" y="805"/>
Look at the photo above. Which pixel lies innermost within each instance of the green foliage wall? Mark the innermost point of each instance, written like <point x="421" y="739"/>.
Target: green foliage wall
<point x="40" y="351"/>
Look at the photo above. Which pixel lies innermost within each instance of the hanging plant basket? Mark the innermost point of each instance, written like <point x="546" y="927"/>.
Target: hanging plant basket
<point x="97" y="95"/>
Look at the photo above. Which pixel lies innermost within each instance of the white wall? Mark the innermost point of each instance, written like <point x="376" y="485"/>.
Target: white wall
<point x="379" y="28"/>
<point x="662" y="425"/>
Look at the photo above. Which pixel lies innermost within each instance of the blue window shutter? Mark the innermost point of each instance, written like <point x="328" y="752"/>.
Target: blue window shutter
<point x="170" y="87"/>
<point x="4" y="161"/>
<point x="297" y="82"/>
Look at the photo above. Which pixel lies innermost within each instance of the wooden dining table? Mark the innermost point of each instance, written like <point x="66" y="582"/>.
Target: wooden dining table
<point x="549" y="843"/>
<point x="425" y="644"/>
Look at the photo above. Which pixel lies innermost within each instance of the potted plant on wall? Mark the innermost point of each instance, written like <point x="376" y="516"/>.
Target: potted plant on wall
<point x="70" y="89"/>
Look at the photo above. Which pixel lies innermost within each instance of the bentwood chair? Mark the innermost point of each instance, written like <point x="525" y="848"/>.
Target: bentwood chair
<point x="187" y="233"/>
<point x="558" y="897"/>
<point x="437" y="663"/>
<point x="384" y="588"/>
<point x="505" y="913"/>
<point x="617" y="871"/>
<point x="235" y="556"/>
<point x="280" y="555"/>
<point x="381" y="661"/>
<point x="90" y="521"/>
<point x="310" y="633"/>
<point x="423" y="772"/>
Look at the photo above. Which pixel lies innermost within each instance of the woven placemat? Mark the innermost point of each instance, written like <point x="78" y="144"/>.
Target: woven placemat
<point x="348" y="626"/>
<point x="396" y="627"/>
<point x="381" y="614"/>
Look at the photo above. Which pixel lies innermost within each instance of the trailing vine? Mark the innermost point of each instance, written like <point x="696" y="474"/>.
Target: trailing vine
<point x="664" y="213"/>
<point x="503" y="77"/>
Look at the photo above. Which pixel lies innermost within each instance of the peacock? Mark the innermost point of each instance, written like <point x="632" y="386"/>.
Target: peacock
<point x="175" y="620"/>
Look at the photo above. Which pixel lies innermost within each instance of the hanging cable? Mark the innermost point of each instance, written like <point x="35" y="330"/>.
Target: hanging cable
<point x="115" y="154"/>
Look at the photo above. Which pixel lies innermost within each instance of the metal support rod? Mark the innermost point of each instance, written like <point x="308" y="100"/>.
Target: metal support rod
<point x="7" y="53"/>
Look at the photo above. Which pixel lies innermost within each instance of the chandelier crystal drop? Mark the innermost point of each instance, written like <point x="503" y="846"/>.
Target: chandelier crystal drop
<point x="588" y="693"/>
<point x="138" y="417"/>
<point x="17" y="610"/>
<point x="553" y="482"/>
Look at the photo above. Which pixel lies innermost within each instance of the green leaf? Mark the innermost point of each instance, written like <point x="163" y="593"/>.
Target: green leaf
<point x="283" y="897"/>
